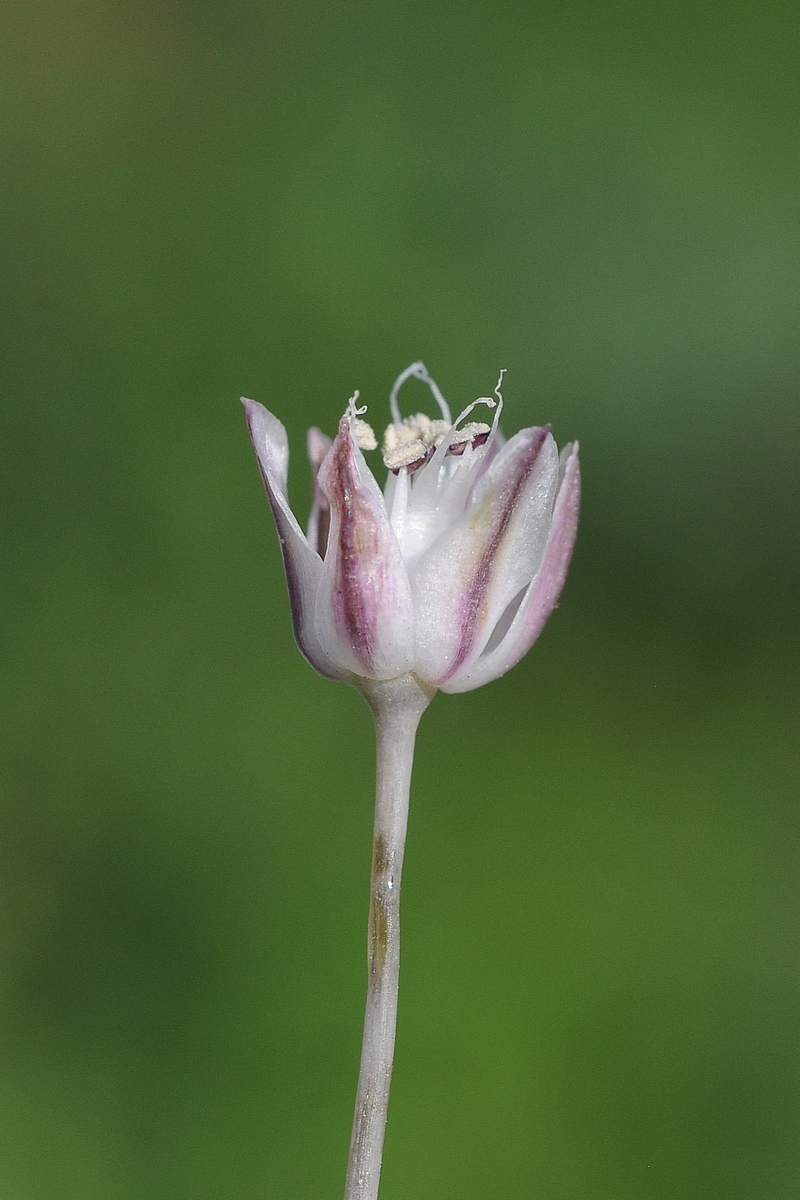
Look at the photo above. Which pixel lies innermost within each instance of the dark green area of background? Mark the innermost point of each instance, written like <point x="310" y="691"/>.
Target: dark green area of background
<point x="600" y="975"/>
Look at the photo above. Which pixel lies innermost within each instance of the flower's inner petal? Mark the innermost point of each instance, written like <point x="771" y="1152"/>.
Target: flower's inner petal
<point x="320" y="520"/>
<point x="437" y="498"/>
<point x="397" y="495"/>
<point x="440" y="489"/>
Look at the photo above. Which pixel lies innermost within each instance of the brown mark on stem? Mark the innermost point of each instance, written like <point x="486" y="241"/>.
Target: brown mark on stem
<point x="379" y="908"/>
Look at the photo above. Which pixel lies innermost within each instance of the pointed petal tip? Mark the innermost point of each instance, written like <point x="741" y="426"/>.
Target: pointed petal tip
<point x="253" y="409"/>
<point x="258" y="418"/>
<point x="267" y="434"/>
<point x="251" y="406"/>
<point x="318" y="443"/>
<point x="571" y="472"/>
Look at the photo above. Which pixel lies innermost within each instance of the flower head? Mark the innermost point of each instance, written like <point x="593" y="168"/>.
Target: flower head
<point x="452" y="570"/>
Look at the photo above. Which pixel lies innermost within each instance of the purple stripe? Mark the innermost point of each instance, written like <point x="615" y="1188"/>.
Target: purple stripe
<point x="358" y="543"/>
<point x="476" y="596"/>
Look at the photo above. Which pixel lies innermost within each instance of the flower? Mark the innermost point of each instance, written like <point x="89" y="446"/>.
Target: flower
<point x="452" y="571"/>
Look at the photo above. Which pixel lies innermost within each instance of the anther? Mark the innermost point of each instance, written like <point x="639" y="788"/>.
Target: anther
<point x="364" y="434"/>
<point x="413" y="442"/>
<point x="474" y="433"/>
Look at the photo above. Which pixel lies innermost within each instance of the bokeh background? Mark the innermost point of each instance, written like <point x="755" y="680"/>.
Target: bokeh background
<point x="288" y="201"/>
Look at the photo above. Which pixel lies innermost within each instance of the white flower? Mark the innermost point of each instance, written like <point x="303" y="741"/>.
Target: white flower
<point x="451" y="573"/>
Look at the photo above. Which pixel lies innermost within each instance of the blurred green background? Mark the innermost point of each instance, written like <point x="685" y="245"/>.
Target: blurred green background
<point x="600" y="974"/>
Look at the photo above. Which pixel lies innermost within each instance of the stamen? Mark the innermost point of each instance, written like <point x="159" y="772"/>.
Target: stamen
<point x="362" y="432"/>
<point x="455" y="438"/>
<point x="417" y="370"/>
<point x="364" y="435"/>
<point x="498" y="405"/>
<point x="412" y="456"/>
<point x="412" y="442"/>
<point x="474" y="434"/>
<point x="404" y="444"/>
<point x="487" y="400"/>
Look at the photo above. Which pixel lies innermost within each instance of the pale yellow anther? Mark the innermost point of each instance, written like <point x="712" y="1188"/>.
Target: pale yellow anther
<point x="398" y="435"/>
<point x="437" y="432"/>
<point x="415" y="438"/>
<point x="406" y="443"/>
<point x="364" y="435"/>
<point x="468" y="432"/>
<point x="404" y="454"/>
<point x="418" y="425"/>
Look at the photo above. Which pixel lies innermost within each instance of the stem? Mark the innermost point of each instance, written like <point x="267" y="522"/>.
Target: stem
<point x="397" y="705"/>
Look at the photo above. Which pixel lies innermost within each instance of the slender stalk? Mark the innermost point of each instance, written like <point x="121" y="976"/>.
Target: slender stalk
<point x="397" y="705"/>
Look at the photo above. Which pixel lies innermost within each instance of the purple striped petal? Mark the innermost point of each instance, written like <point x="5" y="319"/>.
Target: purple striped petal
<point x="303" y="565"/>
<point x="364" y="612"/>
<point x="471" y="575"/>
<point x="542" y="595"/>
